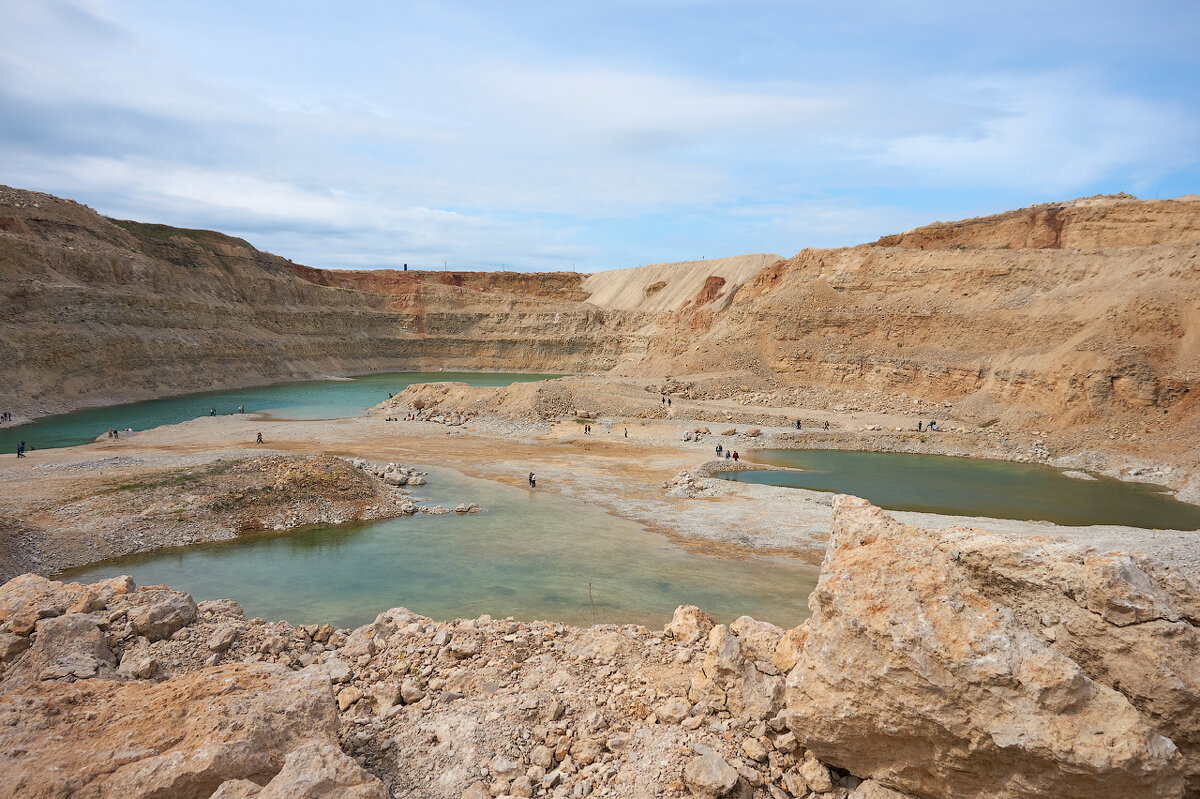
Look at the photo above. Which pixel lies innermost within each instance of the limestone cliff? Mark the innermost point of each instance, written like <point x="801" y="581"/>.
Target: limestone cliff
<point x="99" y="310"/>
<point x="1063" y="314"/>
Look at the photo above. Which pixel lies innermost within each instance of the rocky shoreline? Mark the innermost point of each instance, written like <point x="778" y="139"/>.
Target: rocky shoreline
<point x="212" y="499"/>
<point x="954" y="663"/>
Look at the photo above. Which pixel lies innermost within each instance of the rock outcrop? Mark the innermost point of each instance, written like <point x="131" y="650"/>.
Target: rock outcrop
<point x="967" y="664"/>
<point x="951" y="664"/>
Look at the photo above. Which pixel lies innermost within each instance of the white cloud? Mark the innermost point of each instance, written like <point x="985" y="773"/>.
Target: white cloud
<point x="1051" y="131"/>
<point x="523" y="154"/>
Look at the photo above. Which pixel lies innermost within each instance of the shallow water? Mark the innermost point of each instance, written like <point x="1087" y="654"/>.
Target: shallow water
<point x="314" y="399"/>
<point x="973" y="487"/>
<point x="531" y="555"/>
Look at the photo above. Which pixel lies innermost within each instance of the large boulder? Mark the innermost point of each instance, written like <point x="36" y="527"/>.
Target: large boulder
<point x="70" y="646"/>
<point x="322" y="771"/>
<point x="156" y="611"/>
<point x="709" y="777"/>
<point x="733" y="679"/>
<point x="689" y="624"/>
<point x="181" y="738"/>
<point x="26" y="599"/>
<point x="966" y="664"/>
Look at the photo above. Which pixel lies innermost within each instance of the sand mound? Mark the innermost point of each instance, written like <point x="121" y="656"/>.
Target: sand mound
<point x="673" y="287"/>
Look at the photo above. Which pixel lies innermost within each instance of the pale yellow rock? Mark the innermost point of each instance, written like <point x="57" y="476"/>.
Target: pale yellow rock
<point x="730" y="680"/>
<point x="192" y="732"/>
<point x="689" y="624"/>
<point x="322" y="771"/>
<point x="758" y="639"/>
<point x="709" y="777"/>
<point x="787" y="651"/>
<point x="918" y="672"/>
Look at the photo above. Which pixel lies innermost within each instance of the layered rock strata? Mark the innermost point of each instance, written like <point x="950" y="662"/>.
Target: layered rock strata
<point x="1063" y="314"/>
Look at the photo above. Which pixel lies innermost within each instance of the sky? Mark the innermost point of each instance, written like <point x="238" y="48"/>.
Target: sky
<point x="590" y="134"/>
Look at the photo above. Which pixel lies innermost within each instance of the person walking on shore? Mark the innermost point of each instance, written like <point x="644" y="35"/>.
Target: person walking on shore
<point x="532" y="480"/>
<point x="21" y="450"/>
<point x="259" y="439"/>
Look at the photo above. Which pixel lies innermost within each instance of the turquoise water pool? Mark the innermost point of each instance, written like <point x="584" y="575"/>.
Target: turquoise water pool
<point x="314" y="399"/>
<point x="530" y="555"/>
<point x="973" y="487"/>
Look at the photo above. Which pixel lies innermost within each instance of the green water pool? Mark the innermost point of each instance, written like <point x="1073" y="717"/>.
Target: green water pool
<point x="973" y="487"/>
<point x="531" y="555"/>
<point x="313" y="399"/>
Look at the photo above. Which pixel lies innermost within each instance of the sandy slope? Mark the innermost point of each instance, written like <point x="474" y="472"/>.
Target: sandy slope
<point x="674" y="286"/>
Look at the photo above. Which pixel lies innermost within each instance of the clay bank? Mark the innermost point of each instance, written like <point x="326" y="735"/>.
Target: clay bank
<point x="952" y="663"/>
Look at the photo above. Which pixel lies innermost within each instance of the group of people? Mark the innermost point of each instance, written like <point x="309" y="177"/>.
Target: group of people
<point x="933" y="426"/>
<point x="21" y="449"/>
<point x="5" y="417"/>
<point x="728" y="453"/>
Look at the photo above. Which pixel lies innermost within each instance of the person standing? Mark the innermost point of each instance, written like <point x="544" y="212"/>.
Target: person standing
<point x="21" y="450"/>
<point x="532" y="480"/>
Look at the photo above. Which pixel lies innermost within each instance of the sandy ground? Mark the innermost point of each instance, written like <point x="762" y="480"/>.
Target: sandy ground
<point x="631" y="476"/>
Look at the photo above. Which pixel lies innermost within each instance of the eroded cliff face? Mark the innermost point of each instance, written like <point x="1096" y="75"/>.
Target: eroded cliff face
<point x="99" y="311"/>
<point x="1053" y="315"/>
<point x="1067" y="336"/>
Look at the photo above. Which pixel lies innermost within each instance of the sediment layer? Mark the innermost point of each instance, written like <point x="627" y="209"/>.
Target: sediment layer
<point x="1078" y="313"/>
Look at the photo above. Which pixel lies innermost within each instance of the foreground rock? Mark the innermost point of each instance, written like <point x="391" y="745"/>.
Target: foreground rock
<point x="937" y="665"/>
<point x="962" y="663"/>
<point x="180" y="738"/>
